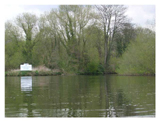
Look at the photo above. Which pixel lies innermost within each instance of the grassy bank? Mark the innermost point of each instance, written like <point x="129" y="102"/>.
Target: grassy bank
<point x="32" y="73"/>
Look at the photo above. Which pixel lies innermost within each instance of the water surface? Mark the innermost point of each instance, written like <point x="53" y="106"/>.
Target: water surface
<point x="80" y="96"/>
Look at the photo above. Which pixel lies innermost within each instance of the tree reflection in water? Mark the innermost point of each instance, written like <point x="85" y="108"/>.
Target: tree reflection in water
<point x="80" y="96"/>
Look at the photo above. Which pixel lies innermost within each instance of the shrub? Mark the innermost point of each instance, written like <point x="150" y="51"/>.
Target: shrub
<point x="139" y="58"/>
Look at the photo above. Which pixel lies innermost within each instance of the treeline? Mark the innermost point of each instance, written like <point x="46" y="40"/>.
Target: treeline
<point x="80" y="39"/>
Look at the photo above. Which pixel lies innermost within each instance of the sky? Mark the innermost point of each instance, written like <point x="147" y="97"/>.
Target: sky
<point x="139" y="14"/>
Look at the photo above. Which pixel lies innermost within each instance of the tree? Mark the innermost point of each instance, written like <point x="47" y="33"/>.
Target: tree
<point x="48" y="48"/>
<point x="139" y="57"/>
<point x="13" y="46"/>
<point x="94" y="36"/>
<point x="112" y="16"/>
<point x="123" y="37"/>
<point x="28" y="23"/>
<point x="69" y="22"/>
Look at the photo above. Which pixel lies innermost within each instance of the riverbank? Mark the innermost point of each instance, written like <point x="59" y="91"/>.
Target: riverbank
<point x="32" y="73"/>
<point x="38" y="71"/>
<point x="44" y="71"/>
<point x="55" y="73"/>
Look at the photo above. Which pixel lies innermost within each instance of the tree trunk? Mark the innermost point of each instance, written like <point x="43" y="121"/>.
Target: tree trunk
<point x="105" y="47"/>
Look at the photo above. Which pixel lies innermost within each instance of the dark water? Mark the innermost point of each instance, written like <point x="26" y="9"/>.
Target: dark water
<point x="80" y="96"/>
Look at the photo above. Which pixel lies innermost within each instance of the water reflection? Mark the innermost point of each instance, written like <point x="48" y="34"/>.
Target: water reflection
<point x="129" y="94"/>
<point x="80" y="96"/>
<point x="26" y="89"/>
<point x="26" y="83"/>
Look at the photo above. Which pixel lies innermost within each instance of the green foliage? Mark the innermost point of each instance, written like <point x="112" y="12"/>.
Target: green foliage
<point x="113" y="64"/>
<point x="92" y="69"/>
<point x="36" y="72"/>
<point x="101" y="69"/>
<point x="73" y="39"/>
<point x="123" y="38"/>
<point x="24" y="73"/>
<point x="13" y="56"/>
<point x="140" y="55"/>
<point x="68" y="64"/>
<point x="93" y="66"/>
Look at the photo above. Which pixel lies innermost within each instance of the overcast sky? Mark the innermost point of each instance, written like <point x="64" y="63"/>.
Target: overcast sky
<point x="139" y="14"/>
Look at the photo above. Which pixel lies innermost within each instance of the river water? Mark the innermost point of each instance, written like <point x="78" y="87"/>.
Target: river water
<point x="80" y="96"/>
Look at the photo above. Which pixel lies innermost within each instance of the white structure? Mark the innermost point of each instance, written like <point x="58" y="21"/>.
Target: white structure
<point x="26" y="83"/>
<point x="26" y="67"/>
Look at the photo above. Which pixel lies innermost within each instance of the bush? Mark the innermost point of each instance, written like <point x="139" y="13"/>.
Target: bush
<point x="92" y="69"/>
<point x="139" y="58"/>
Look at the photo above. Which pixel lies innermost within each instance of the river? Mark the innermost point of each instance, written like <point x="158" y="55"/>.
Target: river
<point x="80" y="96"/>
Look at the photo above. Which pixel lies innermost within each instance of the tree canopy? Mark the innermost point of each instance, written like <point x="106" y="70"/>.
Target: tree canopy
<point x="81" y="39"/>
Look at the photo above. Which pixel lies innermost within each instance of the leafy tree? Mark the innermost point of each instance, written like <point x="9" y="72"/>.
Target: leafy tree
<point x="79" y="38"/>
<point x="69" y="22"/>
<point x="13" y="46"/>
<point x="123" y="37"/>
<point x="28" y="23"/>
<point x="139" y="57"/>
